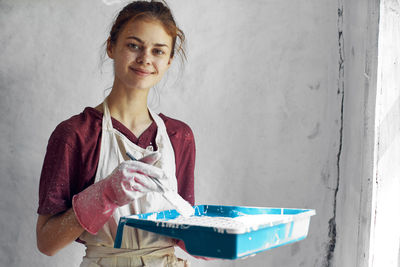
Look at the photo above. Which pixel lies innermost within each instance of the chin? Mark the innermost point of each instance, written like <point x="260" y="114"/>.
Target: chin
<point x="141" y="86"/>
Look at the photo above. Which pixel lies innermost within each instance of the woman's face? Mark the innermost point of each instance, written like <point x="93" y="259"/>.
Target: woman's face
<point x="141" y="54"/>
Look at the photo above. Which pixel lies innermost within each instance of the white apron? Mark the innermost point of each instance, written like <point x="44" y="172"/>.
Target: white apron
<point x="138" y="248"/>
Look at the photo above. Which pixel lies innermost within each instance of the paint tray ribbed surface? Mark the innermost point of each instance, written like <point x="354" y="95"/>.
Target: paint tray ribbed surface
<point x="225" y="232"/>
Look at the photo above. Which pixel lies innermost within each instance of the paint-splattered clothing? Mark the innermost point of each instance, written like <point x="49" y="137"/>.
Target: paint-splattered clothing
<point x="73" y="153"/>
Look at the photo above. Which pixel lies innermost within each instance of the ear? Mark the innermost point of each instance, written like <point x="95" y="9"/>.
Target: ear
<point x="109" y="48"/>
<point x="170" y="62"/>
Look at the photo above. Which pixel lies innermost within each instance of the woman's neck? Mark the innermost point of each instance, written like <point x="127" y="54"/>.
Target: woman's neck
<point x="129" y="106"/>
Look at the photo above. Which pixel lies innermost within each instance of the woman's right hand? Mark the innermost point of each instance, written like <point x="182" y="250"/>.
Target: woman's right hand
<point x="130" y="180"/>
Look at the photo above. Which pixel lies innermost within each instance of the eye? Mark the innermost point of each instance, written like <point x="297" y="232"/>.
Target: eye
<point x="133" y="46"/>
<point x="158" y="52"/>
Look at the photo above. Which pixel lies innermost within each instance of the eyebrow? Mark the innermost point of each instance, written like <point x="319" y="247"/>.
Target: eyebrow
<point x="140" y="41"/>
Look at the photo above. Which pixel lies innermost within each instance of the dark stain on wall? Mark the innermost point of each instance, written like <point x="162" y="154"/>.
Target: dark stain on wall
<point x="330" y="248"/>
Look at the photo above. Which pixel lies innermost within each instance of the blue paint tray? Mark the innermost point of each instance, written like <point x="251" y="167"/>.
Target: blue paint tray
<point x="225" y="232"/>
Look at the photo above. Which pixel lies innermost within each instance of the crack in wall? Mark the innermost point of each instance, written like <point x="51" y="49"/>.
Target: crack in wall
<point x="330" y="249"/>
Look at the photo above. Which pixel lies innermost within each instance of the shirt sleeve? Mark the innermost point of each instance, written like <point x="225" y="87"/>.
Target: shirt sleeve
<point x="186" y="165"/>
<point x="60" y="169"/>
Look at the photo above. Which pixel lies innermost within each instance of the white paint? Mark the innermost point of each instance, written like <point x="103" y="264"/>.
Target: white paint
<point x="300" y="228"/>
<point x="181" y="205"/>
<point x="236" y="225"/>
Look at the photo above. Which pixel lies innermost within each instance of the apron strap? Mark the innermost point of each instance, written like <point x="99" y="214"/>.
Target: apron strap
<point x="158" y="120"/>
<point x="107" y="124"/>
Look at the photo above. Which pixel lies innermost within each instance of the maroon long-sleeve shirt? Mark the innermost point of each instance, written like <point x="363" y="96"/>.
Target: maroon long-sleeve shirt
<point x="73" y="154"/>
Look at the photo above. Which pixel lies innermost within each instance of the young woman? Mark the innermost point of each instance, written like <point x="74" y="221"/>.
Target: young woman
<point x="87" y="181"/>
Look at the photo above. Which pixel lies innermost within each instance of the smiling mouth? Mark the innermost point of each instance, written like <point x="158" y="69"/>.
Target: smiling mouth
<point x="141" y="72"/>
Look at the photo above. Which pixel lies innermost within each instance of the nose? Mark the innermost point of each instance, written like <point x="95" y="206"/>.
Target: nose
<point x="144" y="57"/>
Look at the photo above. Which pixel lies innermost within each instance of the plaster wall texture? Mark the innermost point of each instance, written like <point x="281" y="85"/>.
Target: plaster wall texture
<point x="385" y="240"/>
<point x="356" y="160"/>
<point x="260" y="91"/>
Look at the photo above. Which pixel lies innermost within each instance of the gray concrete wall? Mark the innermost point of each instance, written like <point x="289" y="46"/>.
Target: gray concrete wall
<point x="358" y="85"/>
<point x="262" y="91"/>
<point x="385" y="240"/>
<point x="368" y="197"/>
<point x="261" y="96"/>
